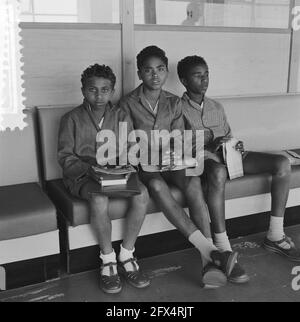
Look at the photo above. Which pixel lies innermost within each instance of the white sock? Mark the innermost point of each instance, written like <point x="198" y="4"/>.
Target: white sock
<point x="210" y="240"/>
<point x="222" y="242"/>
<point x="108" y="258"/>
<point x="204" y="246"/>
<point x="124" y="255"/>
<point x="275" y="232"/>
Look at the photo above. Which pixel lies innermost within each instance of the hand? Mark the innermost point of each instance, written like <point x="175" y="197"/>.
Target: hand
<point x="216" y="144"/>
<point x="240" y="147"/>
<point x="170" y="159"/>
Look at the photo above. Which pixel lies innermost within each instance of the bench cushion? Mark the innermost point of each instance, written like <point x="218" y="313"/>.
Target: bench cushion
<point x="256" y="184"/>
<point x="77" y="212"/>
<point x="25" y="210"/>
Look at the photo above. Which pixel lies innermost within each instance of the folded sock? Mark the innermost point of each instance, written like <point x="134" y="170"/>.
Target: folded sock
<point x="276" y="231"/>
<point x="126" y="254"/>
<point x="108" y="258"/>
<point x="204" y="246"/>
<point x="222" y="242"/>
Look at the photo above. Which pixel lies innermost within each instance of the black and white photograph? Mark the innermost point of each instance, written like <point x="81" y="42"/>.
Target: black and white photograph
<point x="149" y="154"/>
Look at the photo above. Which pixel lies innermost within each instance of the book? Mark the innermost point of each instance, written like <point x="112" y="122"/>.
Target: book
<point x="112" y="180"/>
<point x="233" y="159"/>
<point x="184" y="164"/>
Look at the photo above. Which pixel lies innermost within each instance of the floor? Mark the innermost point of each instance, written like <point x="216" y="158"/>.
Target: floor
<point x="175" y="278"/>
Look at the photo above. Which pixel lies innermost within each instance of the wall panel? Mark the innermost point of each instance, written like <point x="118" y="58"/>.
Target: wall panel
<point x="55" y="58"/>
<point x="241" y="63"/>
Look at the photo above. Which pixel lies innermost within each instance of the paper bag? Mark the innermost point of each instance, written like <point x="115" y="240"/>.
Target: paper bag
<point x="233" y="159"/>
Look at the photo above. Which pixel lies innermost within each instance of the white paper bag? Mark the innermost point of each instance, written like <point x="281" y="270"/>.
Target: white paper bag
<point x="233" y="159"/>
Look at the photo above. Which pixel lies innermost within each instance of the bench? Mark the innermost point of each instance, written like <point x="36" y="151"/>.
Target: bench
<point x="29" y="236"/>
<point x="244" y="196"/>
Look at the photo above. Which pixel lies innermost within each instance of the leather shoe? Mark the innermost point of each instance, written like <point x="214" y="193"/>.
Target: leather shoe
<point x="135" y="278"/>
<point x="238" y="275"/>
<point x="213" y="277"/>
<point x="110" y="284"/>
<point x="225" y="260"/>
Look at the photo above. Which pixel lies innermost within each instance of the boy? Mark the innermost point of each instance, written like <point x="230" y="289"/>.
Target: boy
<point x="152" y="108"/>
<point x="76" y="155"/>
<point x="203" y="113"/>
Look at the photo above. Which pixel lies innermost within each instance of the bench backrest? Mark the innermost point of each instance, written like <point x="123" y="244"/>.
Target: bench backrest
<point x="263" y="123"/>
<point x="49" y="119"/>
<point x="18" y="159"/>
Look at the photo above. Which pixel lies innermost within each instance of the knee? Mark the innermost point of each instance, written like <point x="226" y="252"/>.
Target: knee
<point x="157" y="186"/>
<point x="98" y="201"/>
<point x="143" y="198"/>
<point x="282" y="166"/>
<point x="217" y="175"/>
<point x="193" y="185"/>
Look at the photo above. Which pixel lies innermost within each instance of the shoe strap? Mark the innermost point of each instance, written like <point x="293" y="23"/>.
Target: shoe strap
<point x="287" y="240"/>
<point x="111" y="270"/>
<point x="133" y="261"/>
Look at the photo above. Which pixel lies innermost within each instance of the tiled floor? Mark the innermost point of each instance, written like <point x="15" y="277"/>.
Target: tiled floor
<point x="175" y="278"/>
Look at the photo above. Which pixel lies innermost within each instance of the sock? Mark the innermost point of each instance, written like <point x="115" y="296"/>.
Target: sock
<point x="210" y="240"/>
<point x="275" y="232"/>
<point x="124" y="255"/>
<point x="222" y="242"/>
<point x="108" y="258"/>
<point x="204" y="246"/>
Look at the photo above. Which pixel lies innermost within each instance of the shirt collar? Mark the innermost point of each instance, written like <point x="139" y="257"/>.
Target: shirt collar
<point x="141" y="96"/>
<point x="193" y="103"/>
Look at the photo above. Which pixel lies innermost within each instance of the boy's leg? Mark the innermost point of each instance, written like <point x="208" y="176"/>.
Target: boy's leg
<point x="192" y="189"/>
<point x="134" y="219"/>
<point x="216" y="176"/>
<point x="280" y="169"/>
<point x="160" y="192"/>
<point x="101" y="223"/>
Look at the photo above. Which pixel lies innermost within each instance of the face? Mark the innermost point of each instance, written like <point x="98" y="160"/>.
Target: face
<point x="197" y="79"/>
<point x="97" y="91"/>
<point x="154" y="73"/>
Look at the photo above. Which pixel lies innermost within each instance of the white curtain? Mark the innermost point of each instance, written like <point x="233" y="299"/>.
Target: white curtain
<point x="11" y="82"/>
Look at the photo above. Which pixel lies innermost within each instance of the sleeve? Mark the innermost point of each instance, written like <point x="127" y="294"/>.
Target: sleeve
<point x="178" y="120"/>
<point x="125" y="116"/>
<point x="226" y="126"/>
<point x="73" y="167"/>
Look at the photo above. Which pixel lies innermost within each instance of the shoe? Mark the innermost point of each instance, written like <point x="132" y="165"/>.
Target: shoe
<point x="135" y="278"/>
<point x="110" y="284"/>
<point x="213" y="277"/>
<point x="291" y="252"/>
<point x="225" y="260"/>
<point x="238" y="275"/>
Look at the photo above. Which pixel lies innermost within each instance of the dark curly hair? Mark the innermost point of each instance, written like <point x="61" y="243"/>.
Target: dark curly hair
<point x="98" y="71"/>
<point x="188" y="62"/>
<point x="150" y="51"/>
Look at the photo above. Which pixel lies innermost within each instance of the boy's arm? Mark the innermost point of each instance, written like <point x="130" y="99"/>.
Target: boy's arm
<point x="178" y="120"/>
<point x="124" y="116"/>
<point x="73" y="167"/>
<point x="227" y="129"/>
